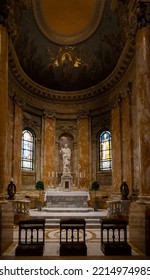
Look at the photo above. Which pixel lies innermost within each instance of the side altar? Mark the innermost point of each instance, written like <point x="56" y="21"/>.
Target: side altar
<point x="66" y="199"/>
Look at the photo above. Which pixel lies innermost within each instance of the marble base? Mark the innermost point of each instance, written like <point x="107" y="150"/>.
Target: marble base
<point x="139" y="227"/>
<point x="66" y="199"/>
<point x="6" y="226"/>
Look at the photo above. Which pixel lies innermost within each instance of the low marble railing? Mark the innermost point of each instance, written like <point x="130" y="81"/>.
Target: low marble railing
<point x="21" y="206"/>
<point x="118" y="207"/>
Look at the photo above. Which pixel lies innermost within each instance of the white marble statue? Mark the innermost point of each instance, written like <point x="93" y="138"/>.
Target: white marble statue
<point x="66" y="155"/>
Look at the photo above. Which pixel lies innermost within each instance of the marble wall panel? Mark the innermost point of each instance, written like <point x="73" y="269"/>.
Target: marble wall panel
<point x="49" y="150"/>
<point x="116" y="149"/>
<point x="83" y="149"/>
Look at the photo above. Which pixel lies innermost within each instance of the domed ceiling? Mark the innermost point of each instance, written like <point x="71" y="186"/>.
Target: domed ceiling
<point x="67" y="45"/>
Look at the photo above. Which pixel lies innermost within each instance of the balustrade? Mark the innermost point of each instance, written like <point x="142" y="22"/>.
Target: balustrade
<point x="21" y="206"/>
<point x="21" y="210"/>
<point x="118" y="208"/>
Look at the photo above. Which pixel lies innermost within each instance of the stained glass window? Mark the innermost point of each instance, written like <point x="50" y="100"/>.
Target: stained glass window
<point x="27" y="150"/>
<point x="105" y="151"/>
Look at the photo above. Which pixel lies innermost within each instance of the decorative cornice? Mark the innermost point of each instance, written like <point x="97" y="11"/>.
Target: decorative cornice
<point x="73" y="96"/>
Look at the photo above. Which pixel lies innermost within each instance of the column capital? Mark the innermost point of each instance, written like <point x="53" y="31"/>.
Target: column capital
<point x="122" y="94"/>
<point x="4" y="11"/>
<point x="83" y="114"/>
<point x="143" y="13"/>
<point x="49" y="114"/>
<point x="139" y="16"/>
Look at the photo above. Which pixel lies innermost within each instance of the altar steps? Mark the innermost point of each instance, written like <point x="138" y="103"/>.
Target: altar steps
<point x="53" y="217"/>
<point x="90" y="223"/>
<point x="67" y="210"/>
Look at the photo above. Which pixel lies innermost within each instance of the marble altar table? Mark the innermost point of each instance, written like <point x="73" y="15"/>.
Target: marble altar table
<point x="66" y="199"/>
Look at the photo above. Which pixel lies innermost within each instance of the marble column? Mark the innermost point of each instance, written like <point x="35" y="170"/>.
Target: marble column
<point x="139" y="225"/>
<point x="83" y="149"/>
<point x="142" y="88"/>
<point x="127" y="164"/>
<point x="18" y="126"/>
<point x="49" y="150"/>
<point x="116" y="148"/>
<point x="3" y="106"/>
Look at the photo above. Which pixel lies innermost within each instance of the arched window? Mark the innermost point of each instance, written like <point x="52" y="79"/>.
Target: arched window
<point x="27" y="160"/>
<point x="105" y="151"/>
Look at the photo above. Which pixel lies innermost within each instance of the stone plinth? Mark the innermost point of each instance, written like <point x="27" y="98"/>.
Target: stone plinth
<point x="66" y="199"/>
<point x="139" y="227"/>
<point x="66" y="181"/>
<point x="6" y="226"/>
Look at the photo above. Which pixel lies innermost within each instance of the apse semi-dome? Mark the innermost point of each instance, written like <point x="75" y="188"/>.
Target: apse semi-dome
<point x="68" y="45"/>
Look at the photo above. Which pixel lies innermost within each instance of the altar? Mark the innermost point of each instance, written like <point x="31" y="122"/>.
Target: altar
<point x="66" y="199"/>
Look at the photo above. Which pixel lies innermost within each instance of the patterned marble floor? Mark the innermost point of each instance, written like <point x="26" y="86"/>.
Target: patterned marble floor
<point x="52" y="243"/>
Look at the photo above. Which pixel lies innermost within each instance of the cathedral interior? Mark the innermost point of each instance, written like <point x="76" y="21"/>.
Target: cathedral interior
<point x="75" y="75"/>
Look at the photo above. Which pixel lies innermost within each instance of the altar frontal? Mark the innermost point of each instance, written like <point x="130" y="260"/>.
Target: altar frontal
<point x="66" y="199"/>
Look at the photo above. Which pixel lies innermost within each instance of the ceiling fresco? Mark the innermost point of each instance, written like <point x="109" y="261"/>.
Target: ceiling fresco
<point x="67" y="67"/>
